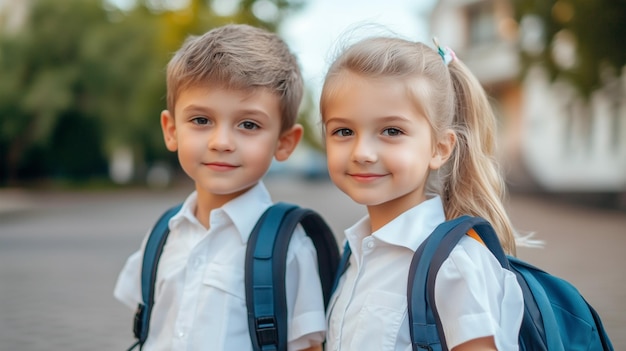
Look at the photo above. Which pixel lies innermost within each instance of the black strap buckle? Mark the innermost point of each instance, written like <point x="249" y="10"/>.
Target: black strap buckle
<point x="137" y="323"/>
<point x="266" y="331"/>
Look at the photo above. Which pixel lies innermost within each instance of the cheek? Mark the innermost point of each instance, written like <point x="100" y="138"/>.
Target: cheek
<point x="335" y="157"/>
<point x="408" y="158"/>
<point x="191" y="147"/>
<point x="400" y="155"/>
<point x="260" y="150"/>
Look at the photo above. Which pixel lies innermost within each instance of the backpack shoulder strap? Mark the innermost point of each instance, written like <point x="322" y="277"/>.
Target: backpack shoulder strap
<point x="265" y="268"/>
<point x="151" y="255"/>
<point x="343" y="265"/>
<point x="425" y="326"/>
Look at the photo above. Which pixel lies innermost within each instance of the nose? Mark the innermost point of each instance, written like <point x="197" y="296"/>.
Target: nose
<point x="364" y="151"/>
<point x="221" y="139"/>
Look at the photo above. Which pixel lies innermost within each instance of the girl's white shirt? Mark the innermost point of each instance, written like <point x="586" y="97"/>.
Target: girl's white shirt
<point x="474" y="295"/>
<point x="200" y="297"/>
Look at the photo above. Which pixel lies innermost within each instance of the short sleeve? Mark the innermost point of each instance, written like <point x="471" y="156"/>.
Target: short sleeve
<point x="476" y="297"/>
<point x="304" y="294"/>
<point x="128" y="287"/>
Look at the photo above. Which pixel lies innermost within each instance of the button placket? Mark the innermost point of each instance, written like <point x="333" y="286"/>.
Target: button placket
<point x="199" y="263"/>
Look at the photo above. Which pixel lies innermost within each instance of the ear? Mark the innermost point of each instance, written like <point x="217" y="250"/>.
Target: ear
<point x="168" y="125"/>
<point x="287" y="142"/>
<point x="443" y="149"/>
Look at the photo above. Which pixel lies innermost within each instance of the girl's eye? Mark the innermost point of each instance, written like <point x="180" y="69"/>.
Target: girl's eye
<point x="200" y="120"/>
<point x="343" y="132"/>
<point x="249" y="125"/>
<point x="392" y="132"/>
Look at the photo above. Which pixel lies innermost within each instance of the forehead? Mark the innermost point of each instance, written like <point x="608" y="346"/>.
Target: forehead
<point x="245" y="93"/>
<point x="353" y="94"/>
<point x="220" y="97"/>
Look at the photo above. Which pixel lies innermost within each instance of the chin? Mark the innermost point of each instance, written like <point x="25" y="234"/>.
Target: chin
<point x="366" y="201"/>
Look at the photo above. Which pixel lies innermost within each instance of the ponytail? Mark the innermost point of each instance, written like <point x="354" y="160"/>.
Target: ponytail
<point x="474" y="184"/>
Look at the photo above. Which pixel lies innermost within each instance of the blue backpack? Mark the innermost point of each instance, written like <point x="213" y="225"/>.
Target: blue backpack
<point x="556" y="316"/>
<point x="265" y="267"/>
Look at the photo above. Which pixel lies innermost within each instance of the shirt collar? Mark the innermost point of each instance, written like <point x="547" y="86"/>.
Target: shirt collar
<point x="186" y="212"/>
<point x="244" y="210"/>
<point x="409" y="229"/>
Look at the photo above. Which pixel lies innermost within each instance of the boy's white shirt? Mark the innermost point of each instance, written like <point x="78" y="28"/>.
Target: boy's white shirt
<point x="474" y="295"/>
<point x="200" y="296"/>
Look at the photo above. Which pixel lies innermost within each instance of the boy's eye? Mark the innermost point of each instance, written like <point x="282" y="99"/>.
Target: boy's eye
<point x="392" y="132"/>
<point x="200" y="120"/>
<point x="343" y="132"/>
<point x="249" y="125"/>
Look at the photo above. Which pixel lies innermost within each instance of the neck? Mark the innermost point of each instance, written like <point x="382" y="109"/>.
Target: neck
<point x="208" y="202"/>
<point x="384" y="213"/>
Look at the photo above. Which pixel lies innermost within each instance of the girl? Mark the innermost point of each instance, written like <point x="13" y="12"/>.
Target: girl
<point x="410" y="134"/>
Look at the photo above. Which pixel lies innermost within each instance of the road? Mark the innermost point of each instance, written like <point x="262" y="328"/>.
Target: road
<point x="60" y="254"/>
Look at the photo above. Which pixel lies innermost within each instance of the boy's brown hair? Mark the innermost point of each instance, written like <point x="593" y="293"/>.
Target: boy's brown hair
<point x="241" y="57"/>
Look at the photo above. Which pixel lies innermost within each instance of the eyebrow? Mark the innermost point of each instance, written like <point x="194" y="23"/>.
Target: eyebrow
<point x="337" y="120"/>
<point x="394" y="118"/>
<point x="196" y="108"/>
<point x="204" y="109"/>
<point x="387" y="119"/>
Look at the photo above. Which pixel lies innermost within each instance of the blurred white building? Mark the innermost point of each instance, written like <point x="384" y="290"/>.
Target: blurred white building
<point x="551" y="139"/>
<point x="12" y="14"/>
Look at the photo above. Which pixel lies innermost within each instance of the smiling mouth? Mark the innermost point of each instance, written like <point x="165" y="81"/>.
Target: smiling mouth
<point x="220" y="166"/>
<point x="365" y="177"/>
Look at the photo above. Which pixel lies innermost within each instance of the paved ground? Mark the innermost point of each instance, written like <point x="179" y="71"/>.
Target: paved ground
<point x="60" y="254"/>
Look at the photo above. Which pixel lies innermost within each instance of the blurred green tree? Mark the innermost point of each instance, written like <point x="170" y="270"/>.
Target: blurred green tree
<point x="581" y="41"/>
<point x="43" y="86"/>
<point x="82" y="78"/>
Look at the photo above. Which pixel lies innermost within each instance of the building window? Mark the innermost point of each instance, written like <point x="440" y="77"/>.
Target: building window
<point x="482" y="23"/>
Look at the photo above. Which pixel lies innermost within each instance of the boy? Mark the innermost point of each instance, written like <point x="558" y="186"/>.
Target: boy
<point x="232" y="99"/>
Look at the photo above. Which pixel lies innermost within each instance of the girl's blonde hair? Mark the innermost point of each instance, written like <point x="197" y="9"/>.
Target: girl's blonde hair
<point x="451" y="98"/>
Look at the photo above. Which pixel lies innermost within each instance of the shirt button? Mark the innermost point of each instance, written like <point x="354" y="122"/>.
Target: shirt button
<point x="370" y="244"/>
<point x="181" y="334"/>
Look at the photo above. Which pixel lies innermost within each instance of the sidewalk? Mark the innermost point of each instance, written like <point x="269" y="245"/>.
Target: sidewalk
<point x="14" y="200"/>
